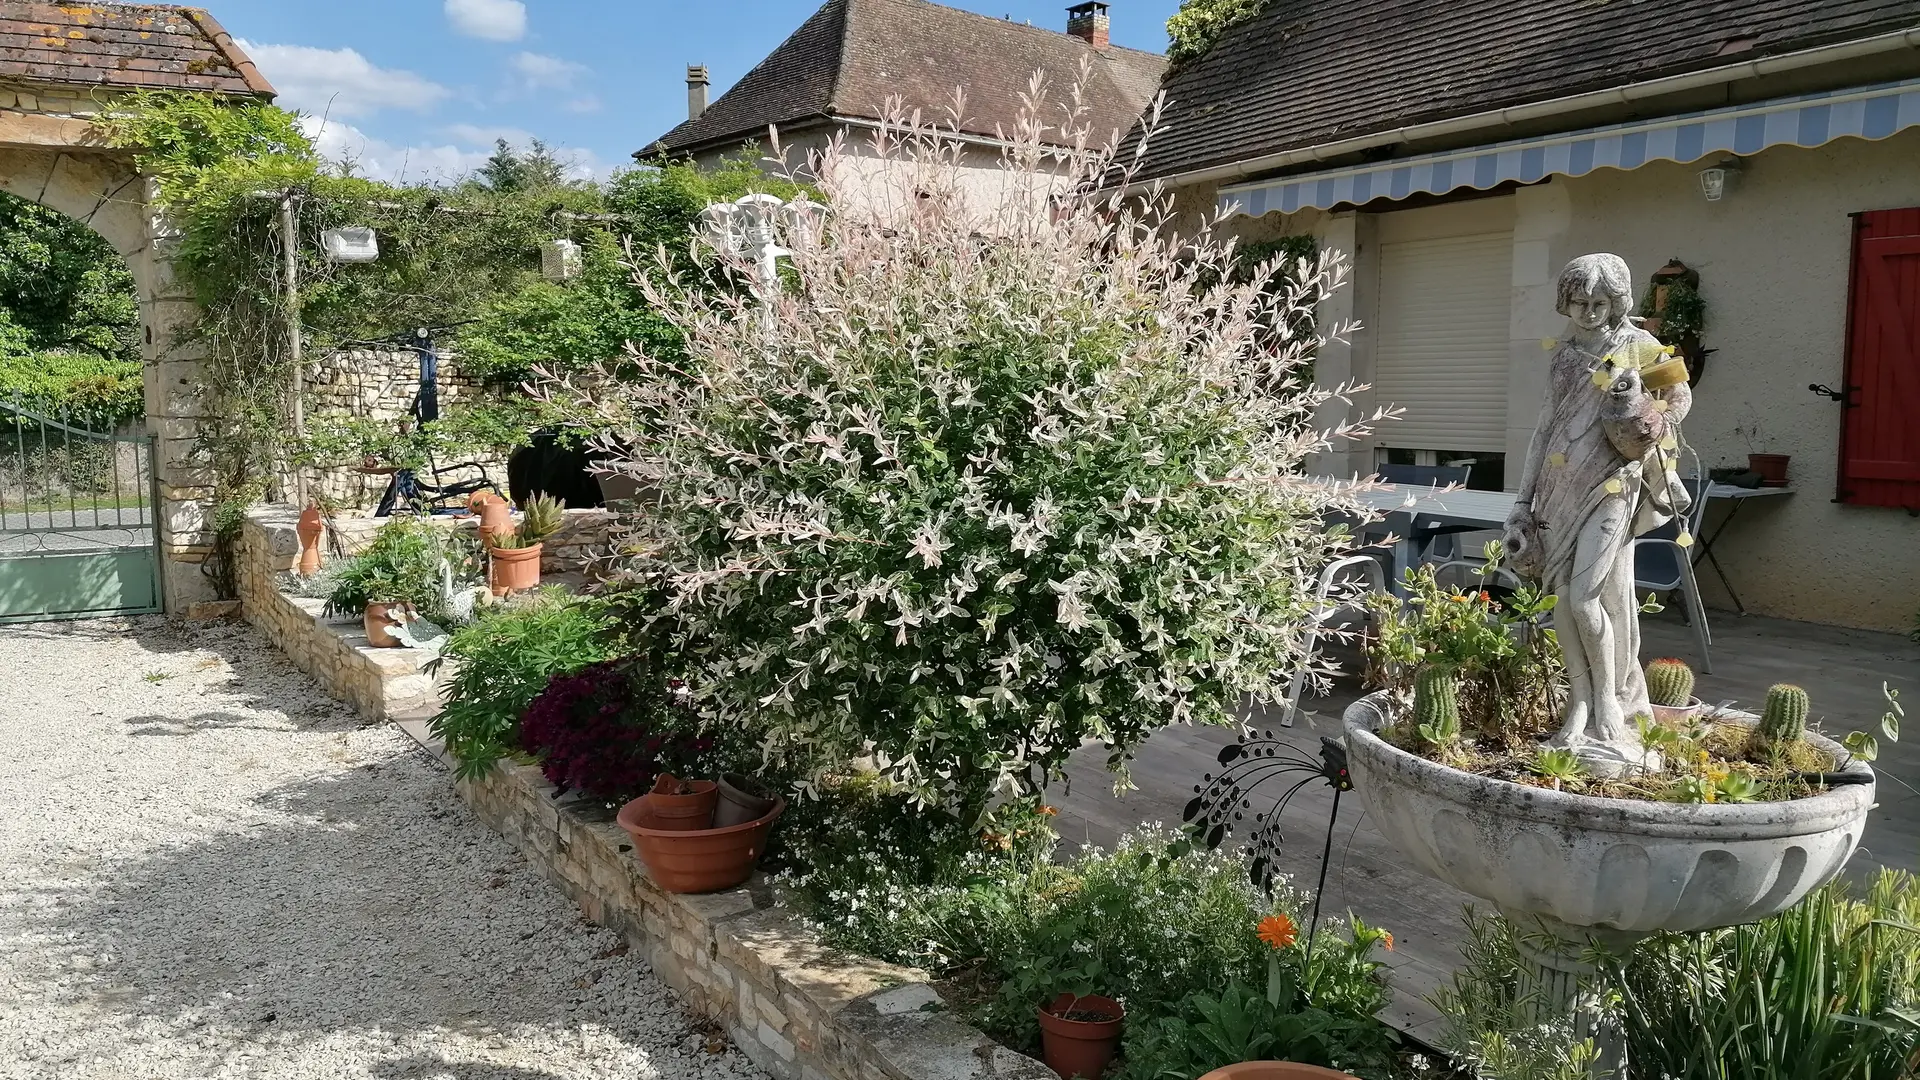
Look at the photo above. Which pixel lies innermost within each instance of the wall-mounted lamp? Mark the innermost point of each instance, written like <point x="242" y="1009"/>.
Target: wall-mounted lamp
<point x="1716" y="180"/>
<point x="559" y="260"/>
<point x="353" y="244"/>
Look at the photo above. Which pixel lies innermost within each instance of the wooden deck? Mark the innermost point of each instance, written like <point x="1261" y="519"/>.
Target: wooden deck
<point x="1841" y="669"/>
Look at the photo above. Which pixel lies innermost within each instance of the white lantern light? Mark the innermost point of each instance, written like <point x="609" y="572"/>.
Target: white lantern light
<point x="352" y="244"/>
<point x="559" y="260"/>
<point x="1717" y="180"/>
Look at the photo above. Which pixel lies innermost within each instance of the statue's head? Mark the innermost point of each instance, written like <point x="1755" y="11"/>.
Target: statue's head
<point x="1595" y="291"/>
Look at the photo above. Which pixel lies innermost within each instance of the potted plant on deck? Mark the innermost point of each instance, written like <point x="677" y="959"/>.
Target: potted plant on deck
<point x="1652" y="827"/>
<point x="399" y="576"/>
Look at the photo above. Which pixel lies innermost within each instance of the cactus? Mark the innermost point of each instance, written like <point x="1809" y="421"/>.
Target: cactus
<point x="1436" y="704"/>
<point x="1669" y="683"/>
<point x="1784" y="720"/>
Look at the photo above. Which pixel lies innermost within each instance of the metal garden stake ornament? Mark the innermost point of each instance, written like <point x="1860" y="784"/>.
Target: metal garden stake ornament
<point x="1224" y="802"/>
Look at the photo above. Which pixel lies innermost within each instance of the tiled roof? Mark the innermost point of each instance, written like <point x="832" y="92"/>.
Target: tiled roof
<point x="126" y="46"/>
<point x="1308" y="72"/>
<point x="850" y="56"/>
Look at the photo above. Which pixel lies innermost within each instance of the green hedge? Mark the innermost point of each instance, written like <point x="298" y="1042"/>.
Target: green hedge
<point x="92" y="391"/>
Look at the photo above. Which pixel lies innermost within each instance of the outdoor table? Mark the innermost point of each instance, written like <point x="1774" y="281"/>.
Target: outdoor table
<point x="1738" y="497"/>
<point x="1414" y="514"/>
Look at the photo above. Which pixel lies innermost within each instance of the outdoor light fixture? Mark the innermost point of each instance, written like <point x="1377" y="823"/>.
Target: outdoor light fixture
<point x="352" y="244"/>
<point x="1715" y="180"/>
<point x="559" y="260"/>
<point x="751" y="227"/>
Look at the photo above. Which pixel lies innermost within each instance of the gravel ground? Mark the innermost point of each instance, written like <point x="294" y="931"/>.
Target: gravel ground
<point x="210" y="869"/>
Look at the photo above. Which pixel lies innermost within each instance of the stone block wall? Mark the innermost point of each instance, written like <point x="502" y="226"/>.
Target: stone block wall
<point x="798" y="1009"/>
<point x="380" y="384"/>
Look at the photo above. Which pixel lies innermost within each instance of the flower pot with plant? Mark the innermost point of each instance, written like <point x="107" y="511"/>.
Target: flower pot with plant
<point x="402" y="573"/>
<point x="1079" y="1034"/>
<point x="741" y="799"/>
<point x="682" y="805"/>
<point x="694" y="860"/>
<point x="1670" y="691"/>
<point x="514" y="557"/>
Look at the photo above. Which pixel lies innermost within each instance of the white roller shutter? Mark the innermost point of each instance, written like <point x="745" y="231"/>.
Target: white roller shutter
<point x="1442" y="342"/>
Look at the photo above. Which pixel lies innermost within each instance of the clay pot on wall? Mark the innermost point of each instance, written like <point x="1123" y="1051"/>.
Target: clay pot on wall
<point x="1771" y="467"/>
<point x="682" y="805"/>
<point x="682" y="860"/>
<point x="738" y="803"/>
<point x="496" y="517"/>
<point x="512" y="569"/>
<point x="380" y="620"/>
<point x="309" y="529"/>
<point x="1078" y="1035"/>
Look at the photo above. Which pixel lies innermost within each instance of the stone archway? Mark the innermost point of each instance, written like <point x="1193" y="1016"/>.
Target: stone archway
<point x="100" y="188"/>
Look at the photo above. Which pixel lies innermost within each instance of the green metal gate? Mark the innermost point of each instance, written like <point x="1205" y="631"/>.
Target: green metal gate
<point x="79" y="532"/>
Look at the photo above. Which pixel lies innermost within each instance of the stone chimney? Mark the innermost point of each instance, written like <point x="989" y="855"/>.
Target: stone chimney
<point x="696" y="90"/>
<point x="1088" y="22"/>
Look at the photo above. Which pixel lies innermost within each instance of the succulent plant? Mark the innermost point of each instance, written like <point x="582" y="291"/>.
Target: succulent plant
<point x="1784" y="720"/>
<point x="1436" y="704"/>
<point x="542" y="518"/>
<point x="1669" y="682"/>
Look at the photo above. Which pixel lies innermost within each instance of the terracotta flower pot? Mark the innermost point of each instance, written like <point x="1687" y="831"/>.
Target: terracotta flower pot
<point x="737" y="806"/>
<point x="695" y="860"/>
<point x="1678" y="714"/>
<point x="380" y="619"/>
<point x="683" y="812"/>
<point x="1771" y="467"/>
<point x="1274" y="1070"/>
<point x="308" y="529"/>
<point x="512" y="569"/>
<point x="1078" y="1035"/>
<point x="496" y="517"/>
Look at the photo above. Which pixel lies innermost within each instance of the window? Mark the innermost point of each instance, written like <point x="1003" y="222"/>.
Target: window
<point x="1879" y="442"/>
<point x="1485" y="472"/>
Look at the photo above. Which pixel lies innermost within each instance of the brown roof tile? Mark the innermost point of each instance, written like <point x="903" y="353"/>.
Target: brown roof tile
<point x="850" y="56"/>
<point x="1306" y="72"/>
<point x="130" y="46"/>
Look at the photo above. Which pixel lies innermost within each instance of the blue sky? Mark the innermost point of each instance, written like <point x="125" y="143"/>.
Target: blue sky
<point x="419" y="89"/>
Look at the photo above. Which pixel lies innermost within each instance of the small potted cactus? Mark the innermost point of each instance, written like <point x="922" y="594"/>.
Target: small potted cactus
<point x="1783" y="723"/>
<point x="1670" y="691"/>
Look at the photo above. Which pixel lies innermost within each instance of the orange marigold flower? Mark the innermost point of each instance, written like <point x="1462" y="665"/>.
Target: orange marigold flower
<point x="1048" y="811"/>
<point x="1386" y="940"/>
<point x="1485" y="596"/>
<point x="1460" y="598"/>
<point x="1278" y="931"/>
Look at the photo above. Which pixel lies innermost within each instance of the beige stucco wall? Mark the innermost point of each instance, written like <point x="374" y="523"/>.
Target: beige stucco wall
<point x="1773" y="259"/>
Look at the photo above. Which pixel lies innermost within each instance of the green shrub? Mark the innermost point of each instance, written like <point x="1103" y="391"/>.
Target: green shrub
<point x="404" y="563"/>
<point x="86" y="390"/>
<point x="1193" y="29"/>
<point x="505" y="659"/>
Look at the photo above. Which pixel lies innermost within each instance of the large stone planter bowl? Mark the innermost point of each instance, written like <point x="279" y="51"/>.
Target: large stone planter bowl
<point x="1607" y="864"/>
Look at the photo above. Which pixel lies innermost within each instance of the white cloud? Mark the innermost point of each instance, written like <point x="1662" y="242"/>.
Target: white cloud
<point x="382" y="160"/>
<point x="589" y="103"/>
<point x="486" y="136"/>
<point x="538" y="71"/>
<point x="494" y="20"/>
<point x="341" y="82"/>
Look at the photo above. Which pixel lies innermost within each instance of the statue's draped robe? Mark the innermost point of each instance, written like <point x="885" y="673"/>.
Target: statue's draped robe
<point x="1594" y="445"/>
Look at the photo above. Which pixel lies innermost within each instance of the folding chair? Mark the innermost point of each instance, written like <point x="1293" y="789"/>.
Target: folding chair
<point x="1324" y="611"/>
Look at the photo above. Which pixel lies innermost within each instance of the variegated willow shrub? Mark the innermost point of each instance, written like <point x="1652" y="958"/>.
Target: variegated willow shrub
<point x="1008" y="465"/>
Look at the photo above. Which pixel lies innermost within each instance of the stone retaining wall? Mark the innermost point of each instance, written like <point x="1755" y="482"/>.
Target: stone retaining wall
<point x="380" y="384"/>
<point x="379" y="683"/>
<point x="799" y="1010"/>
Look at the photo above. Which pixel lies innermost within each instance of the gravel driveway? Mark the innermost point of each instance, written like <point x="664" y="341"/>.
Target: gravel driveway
<point x="210" y="869"/>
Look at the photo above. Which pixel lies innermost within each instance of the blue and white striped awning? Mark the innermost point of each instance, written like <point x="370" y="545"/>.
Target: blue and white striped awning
<point x="1872" y="112"/>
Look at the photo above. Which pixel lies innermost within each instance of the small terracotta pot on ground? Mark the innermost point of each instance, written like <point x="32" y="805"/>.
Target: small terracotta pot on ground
<point x="696" y="860"/>
<point x="379" y="620"/>
<point x="1078" y="1035"/>
<point x="496" y="517"/>
<point x="1771" y="467"/>
<point x="1275" y="1070"/>
<point x="673" y="810"/>
<point x="738" y="804"/>
<point x="1678" y="714"/>
<point x="513" y="569"/>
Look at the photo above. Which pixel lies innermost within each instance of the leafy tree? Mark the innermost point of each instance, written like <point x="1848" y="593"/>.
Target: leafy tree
<point x="62" y="286"/>
<point x="511" y="169"/>
<point x="1199" y="23"/>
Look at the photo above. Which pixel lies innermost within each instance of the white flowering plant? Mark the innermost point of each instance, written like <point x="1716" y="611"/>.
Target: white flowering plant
<point x="998" y="468"/>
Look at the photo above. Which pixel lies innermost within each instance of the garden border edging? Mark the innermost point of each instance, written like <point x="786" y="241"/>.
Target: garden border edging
<point x="796" y="1008"/>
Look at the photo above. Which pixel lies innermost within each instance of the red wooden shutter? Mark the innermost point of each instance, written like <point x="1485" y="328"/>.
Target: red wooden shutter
<point x="1880" y="437"/>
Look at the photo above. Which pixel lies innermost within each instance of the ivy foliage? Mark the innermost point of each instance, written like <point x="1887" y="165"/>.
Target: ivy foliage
<point x="79" y="388"/>
<point x="62" y="286"/>
<point x="1199" y="23"/>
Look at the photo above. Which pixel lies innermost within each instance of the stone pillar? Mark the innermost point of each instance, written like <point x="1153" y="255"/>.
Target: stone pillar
<point x="1563" y="973"/>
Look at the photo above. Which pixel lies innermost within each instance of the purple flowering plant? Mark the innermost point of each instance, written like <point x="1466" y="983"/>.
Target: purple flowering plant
<point x="608" y="730"/>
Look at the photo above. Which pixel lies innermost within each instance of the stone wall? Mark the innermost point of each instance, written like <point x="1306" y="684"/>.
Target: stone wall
<point x="379" y="683"/>
<point x="380" y="384"/>
<point x="799" y="1010"/>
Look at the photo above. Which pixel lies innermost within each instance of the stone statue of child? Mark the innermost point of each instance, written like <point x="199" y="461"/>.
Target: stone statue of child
<point x="1602" y="469"/>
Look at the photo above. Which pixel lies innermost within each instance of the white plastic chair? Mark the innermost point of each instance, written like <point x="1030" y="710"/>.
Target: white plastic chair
<point x="1325" y="609"/>
<point x="1661" y="564"/>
